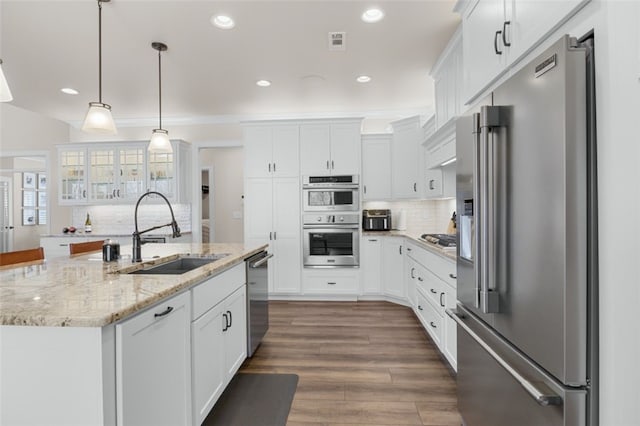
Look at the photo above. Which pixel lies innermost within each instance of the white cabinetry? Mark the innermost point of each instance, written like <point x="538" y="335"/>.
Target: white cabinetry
<point x="440" y="155"/>
<point x="498" y="33"/>
<point x="271" y="150"/>
<point x="219" y="337"/>
<point x="121" y="172"/>
<point x="371" y="264"/>
<point x="330" y="148"/>
<point x="447" y="77"/>
<point x="376" y="166"/>
<point x="406" y="159"/>
<point x="393" y="267"/>
<point x="153" y="365"/>
<point x="435" y="281"/>
<point x="330" y="282"/>
<point x="272" y="216"/>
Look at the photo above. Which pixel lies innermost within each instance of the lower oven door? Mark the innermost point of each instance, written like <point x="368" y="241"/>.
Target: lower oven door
<point x="331" y="247"/>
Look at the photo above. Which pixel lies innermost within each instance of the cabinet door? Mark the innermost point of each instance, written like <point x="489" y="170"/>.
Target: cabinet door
<point x="153" y="365"/>
<point x="72" y="175"/>
<point x="393" y="267"/>
<point x="410" y="276"/>
<point x="286" y="265"/>
<point x="370" y="265"/>
<point x="406" y="160"/>
<point x="208" y="368"/>
<point x="315" y="149"/>
<point x="102" y="179"/>
<point x="258" y="151"/>
<point x="258" y="222"/>
<point x="532" y="20"/>
<point x="450" y="327"/>
<point x="162" y="173"/>
<point x="442" y="106"/>
<point x="286" y="238"/>
<point x="480" y="24"/>
<point x="235" y="332"/>
<point x="345" y="149"/>
<point x="376" y="168"/>
<point x="433" y="188"/>
<point x="131" y="173"/>
<point x="286" y="151"/>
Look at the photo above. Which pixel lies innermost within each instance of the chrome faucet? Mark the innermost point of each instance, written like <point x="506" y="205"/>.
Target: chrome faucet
<point x="137" y="243"/>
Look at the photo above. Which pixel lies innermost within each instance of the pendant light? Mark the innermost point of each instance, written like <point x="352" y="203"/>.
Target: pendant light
<point x="159" y="137"/>
<point x="5" y="92"/>
<point x="99" y="119"/>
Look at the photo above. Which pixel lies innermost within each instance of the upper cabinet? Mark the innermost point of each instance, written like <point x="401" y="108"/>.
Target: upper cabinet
<point x="406" y="182"/>
<point x="498" y="33"/>
<point x="121" y="172"/>
<point x="271" y="150"/>
<point x="447" y="77"/>
<point x="376" y="166"/>
<point x="330" y="147"/>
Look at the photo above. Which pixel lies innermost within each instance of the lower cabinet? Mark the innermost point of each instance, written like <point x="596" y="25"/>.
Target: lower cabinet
<point x="370" y="264"/>
<point x="393" y="267"/>
<point x="153" y="365"/>
<point x="219" y="346"/>
<point x="338" y="282"/>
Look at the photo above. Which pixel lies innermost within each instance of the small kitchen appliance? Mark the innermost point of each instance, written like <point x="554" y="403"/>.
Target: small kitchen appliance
<point x="376" y="220"/>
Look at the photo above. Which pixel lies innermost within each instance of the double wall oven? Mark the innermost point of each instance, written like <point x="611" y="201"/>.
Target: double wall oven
<point x="331" y="222"/>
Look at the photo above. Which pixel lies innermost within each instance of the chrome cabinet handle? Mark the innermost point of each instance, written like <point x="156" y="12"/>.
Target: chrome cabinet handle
<point x="274" y="235"/>
<point x="270" y="236"/>
<point x="504" y="33"/>
<point x="230" y="319"/>
<point x="400" y="249"/>
<point x="543" y="397"/>
<point x="495" y="42"/>
<point x="365" y="189"/>
<point x="163" y="313"/>
<point x="431" y="184"/>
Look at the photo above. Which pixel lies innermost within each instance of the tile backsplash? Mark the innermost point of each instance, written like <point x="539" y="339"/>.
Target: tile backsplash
<point x="423" y="216"/>
<point x="119" y="220"/>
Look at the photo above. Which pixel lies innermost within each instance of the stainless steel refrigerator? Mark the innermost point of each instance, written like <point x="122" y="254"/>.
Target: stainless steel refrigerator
<point x="527" y="248"/>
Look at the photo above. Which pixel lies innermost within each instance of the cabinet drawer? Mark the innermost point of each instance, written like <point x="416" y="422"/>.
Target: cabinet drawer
<point x="430" y="285"/>
<point x="215" y="289"/>
<point x="442" y="268"/>
<point x="431" y="320"/>
<point x="331" y="284"/>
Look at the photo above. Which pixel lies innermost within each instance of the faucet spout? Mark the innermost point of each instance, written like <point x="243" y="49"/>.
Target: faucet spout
<point x="137" y="242"/>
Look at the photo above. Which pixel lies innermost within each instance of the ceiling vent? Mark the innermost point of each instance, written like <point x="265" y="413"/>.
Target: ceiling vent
<point x="338" y="41"/>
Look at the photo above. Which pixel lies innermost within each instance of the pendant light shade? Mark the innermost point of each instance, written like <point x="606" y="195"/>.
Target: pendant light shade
<point x="5" y="92"/>
<point x="159" y="137"/>
<point x="98" y="118"/>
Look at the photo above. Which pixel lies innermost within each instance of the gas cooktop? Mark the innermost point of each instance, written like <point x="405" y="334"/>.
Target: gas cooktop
<point x="445" y="240"/>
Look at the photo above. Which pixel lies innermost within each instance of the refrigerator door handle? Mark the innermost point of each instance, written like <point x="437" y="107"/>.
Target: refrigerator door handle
<point x="490" y="117"/>
<point x="477" y="210"/>
<point x="542" y="397"/>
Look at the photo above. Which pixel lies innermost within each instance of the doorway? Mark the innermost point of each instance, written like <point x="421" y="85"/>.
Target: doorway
<point x="208" y="205"/>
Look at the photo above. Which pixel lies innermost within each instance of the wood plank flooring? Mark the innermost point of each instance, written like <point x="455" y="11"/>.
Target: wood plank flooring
<point x="359" y="363"/>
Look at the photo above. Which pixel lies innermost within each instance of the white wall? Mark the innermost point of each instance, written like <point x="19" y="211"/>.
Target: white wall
<point x="25" y="132"/>
<point x="227" y="218"/>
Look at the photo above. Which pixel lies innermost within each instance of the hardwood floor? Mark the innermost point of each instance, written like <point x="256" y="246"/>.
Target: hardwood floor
<point x="359" y="363"/>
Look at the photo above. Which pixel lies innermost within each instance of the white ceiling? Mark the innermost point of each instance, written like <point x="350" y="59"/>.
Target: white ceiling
<point x="208" y="72"/>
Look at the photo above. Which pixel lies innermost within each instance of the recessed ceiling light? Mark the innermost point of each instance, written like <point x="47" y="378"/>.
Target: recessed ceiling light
<point x="363" y="79"/>
<point x="69" y="91"/>
<point x="372" y="15"/>
<point x="263" y="83"/>
<point x="223" y="21"/>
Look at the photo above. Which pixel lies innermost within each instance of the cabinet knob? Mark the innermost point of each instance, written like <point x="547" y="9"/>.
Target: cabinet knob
<point x="432" y="291"/>
<point x="432" y="324"/>
<point x="420" y="308"/>
<point x="453" y="277"/>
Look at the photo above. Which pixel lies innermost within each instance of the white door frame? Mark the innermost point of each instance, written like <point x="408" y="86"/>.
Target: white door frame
<point x="9" y="245"/>
<point x="212" y="202"/>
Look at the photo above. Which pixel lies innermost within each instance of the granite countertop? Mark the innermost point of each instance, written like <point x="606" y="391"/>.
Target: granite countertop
<point x="84" y="291"/>
<point x="435" y="248"/>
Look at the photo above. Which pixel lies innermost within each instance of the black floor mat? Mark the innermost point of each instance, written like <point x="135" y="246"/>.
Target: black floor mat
<point x="254" y="400"/>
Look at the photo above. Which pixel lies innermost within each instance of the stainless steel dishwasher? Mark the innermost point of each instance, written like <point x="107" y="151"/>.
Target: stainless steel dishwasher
<point x="257" y="299"/>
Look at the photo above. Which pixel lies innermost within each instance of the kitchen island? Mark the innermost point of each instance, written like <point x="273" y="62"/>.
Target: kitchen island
<point x="59" y="345"/>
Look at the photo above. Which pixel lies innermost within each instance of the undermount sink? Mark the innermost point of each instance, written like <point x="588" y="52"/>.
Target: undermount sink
<point x="180" y="265"/>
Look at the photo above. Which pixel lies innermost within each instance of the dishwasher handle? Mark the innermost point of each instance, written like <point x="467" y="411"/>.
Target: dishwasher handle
<point x="261" y="262"/>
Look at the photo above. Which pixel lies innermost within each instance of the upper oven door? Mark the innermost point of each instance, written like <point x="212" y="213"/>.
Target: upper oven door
<point x="330" y="199"/>
<point x="329" y="247"/>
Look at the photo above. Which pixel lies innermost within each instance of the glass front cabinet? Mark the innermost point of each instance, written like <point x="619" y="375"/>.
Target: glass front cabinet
<point x="121" y="172"/>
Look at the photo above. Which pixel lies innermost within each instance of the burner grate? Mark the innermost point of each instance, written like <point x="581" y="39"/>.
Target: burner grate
<point x="445" y="240"/>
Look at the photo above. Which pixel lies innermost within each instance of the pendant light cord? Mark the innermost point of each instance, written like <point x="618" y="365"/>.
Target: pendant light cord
<point x="100" y="51"/>
<point x="159" y="90"/>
